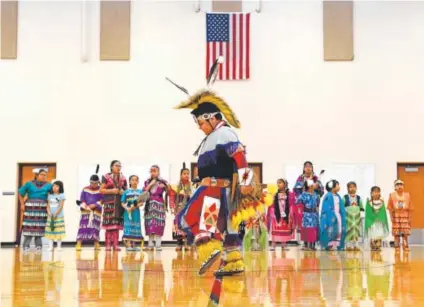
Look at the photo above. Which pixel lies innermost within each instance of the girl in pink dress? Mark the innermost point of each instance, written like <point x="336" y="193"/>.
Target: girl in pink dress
<point x="280" y="219"/>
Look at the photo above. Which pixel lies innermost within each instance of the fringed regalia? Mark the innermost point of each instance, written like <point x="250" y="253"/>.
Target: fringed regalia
<point x="132" y="220"/>
<point x="280" y="217"/>
<point x="333" y="222"/>
<point x="299" y="188"/>
<point x="90" y="203"/>
<point x="228" y="192"/>
<point x="354" y="207"/>
<point x="376" y="224"/>
<point x="179" y="197"/>
<point x="256" y="237"/>
<point x="113" y="212"/>
<point x="400" y="208"/>
<point x="35" y="213"/>
<point x="155" y="207"/>
<point x="91" y="219"/>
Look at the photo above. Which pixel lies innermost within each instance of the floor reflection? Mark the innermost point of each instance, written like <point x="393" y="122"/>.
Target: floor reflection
<point x="168" y="278"/>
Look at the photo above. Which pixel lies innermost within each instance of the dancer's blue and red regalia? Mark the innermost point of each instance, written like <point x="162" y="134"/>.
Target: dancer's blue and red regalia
<point x="228" y="192"/>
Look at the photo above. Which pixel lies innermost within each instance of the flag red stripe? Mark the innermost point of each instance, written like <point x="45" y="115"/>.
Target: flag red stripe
<point x="234" y="43"/>
<point x="241" y="48"/>
<point x="221" y="53"/>
<point x="213" y="53"/>
<point x="247" y="46"/>
<point x="208" y="55"/>
<point x="226" y="60"/>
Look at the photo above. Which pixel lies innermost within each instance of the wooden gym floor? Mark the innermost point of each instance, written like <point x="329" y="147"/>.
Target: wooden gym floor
<point x="291" y="278"/>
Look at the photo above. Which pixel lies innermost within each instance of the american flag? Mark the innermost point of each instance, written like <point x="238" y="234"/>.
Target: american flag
<point x="228" y="35"/>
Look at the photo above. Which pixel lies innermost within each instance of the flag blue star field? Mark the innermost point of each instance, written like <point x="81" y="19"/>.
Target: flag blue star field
<point x="228" y="35"/>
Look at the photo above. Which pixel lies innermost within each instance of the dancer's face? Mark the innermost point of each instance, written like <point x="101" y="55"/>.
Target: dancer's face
<point x="376" y="194"/>
<point x="399" y="187"/>
<point x="352" y="189"/>
<point x="116" y="168"/>
<point x="185" y="175"/>
<point x="281" y="185"/>
<point x="336" y="188"/>
<point x="55" y="188"/>
<point x="154" y="172"/>
<point x="308" y="169"/>
<point x="42" y="176"/>
<point x="134" y="182"/>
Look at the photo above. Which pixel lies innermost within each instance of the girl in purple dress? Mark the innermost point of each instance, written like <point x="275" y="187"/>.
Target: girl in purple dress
<point x="90" y="204"/>
<point x="155" y="208"/>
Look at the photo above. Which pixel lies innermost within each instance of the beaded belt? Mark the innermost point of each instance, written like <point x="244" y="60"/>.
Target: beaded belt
<point x="213" y="182"/>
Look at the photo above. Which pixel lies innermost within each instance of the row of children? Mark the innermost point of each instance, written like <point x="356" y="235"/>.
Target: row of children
<point x="338" y="224"/>
<point x="107" y="203"/>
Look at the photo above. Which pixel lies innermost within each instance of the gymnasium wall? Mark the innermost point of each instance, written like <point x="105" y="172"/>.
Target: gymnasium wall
<point x="296" y="106"/>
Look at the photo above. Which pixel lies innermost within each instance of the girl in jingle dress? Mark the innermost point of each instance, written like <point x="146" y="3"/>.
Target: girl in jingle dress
<point x="132" y="218"/>
<point x="113" y="186"/>
<point x="155" y="207"/>
<point x="376" y="225"/>
<point x="354" y="207"/>
<point x="280" y="217"/>
<point x="90" y="204"/>
<point x="333" y="218"/>
<point x="299" y="188"/>
<point x="309" y="200"/>
<point x="178" y="200"/>
<point x="55" y="227"/>
<point x="400" y="208"/>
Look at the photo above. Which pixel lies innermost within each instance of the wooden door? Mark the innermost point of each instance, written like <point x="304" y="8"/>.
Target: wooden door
<point x="25" y="175"/>
<point x="256" y="167"/>
<point x="413" y="176"/>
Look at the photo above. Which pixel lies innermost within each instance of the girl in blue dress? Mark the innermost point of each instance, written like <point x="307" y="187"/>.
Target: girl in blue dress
<point x="333" y="218"/>
<point x="310" y="221"/>
<point x="132" y="219"/>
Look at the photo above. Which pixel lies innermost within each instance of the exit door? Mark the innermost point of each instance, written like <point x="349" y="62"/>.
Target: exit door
<point x="413" y="176"/>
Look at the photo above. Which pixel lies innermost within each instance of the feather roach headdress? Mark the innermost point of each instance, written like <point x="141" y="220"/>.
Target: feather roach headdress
<point x="208" y="100"/>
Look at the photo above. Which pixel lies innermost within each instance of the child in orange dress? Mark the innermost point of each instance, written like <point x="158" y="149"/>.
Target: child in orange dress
<point x="400" y="208"/>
